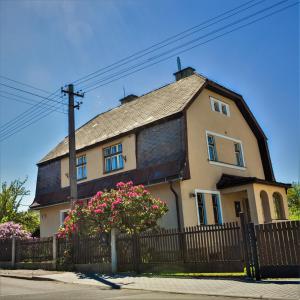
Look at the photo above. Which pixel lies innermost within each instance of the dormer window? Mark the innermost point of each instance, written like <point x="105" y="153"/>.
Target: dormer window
<point x="219" y="106"/>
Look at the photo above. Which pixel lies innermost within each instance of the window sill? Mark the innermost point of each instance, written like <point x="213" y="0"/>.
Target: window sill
<point x="80" y="179"/>
<point x="112" y="171"/>
<point x="222" y="164"/>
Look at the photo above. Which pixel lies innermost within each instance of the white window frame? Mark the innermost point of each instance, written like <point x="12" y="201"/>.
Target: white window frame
<point x="117" y="155"/>
<point x="61" y="214"/>
<point x="81" y="166"/>
<point x="222" y="164"/>
<point x="220" y="103"/>
<point x="208" y="192"/>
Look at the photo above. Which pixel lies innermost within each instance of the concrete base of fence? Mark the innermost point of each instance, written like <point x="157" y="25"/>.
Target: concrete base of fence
<point x="94" y="268"/>
<point x="35" y="265"/>
<point x="5" y="265"/>
<point x="214" y="267"/>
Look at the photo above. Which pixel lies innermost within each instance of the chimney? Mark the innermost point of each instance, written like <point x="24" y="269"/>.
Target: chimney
<point x="184" y="73"/>
<point x="128" y="99"/>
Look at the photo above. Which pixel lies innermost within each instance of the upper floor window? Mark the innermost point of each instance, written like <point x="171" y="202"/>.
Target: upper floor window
<point x="239" y="154"/>
<point x="113" y="158"/>
<point x="81" y="167"/>
<point x="212" y="151"/>
<point x="219" y="106"/>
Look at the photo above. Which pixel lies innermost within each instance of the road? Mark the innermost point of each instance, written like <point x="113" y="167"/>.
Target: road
<point x="11" y="288"/>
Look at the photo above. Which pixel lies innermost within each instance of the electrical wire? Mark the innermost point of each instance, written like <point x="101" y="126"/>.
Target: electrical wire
<point x="189" y="48"/>
<point x="117" y="64"/>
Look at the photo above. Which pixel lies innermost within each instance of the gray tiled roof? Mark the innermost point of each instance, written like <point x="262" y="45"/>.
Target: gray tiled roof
<point x="146" y="109"/>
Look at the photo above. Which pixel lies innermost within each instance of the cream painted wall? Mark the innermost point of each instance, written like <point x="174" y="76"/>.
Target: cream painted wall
<point x="204" y="176"/>
<point x="228" y="207"/>
<point x="269" y="189"/>
<point x="94" y="158"/>
<point x="50" y="219"/>
<point x="163" y="192"/>
<point x="50" y="216"/>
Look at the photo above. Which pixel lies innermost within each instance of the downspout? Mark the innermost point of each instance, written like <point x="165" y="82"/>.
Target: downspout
<point x="177" y="204"/>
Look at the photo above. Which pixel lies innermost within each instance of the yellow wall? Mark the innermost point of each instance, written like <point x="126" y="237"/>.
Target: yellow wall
<point x="204" y="176"/>
<point x="50" y="216"/>
<point x="50" y="219"/>
<point x="95" y="162"/>
<point x="269" y="189"/>
<point x="163" y="192"/>
<point x="228" y="208"/>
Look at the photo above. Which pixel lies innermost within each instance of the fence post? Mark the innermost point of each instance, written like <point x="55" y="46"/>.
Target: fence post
<point x="245" y="242"/>
<point x="254" y="250"/>
<point x="54" y="251"/>
<point x="136" y="252"/>
<point x="13" y="252"/>
<point x="113" y="251"/>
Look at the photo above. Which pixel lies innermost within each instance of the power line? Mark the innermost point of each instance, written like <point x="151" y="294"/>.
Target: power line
<point x="25" y="100"/>
<point x="184" y="50"/>
<point x="27" y="92"/>
<point x="166" y="42"/>
<point x="24" y="84"/>
<point x="32" y="122"/>
<point x="95" y="84"/>
<point x="28" y="112"/>
<point x="34" y="118"/>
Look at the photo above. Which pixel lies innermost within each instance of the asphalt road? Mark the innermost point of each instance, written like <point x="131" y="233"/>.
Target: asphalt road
<point x="11" y="288"/>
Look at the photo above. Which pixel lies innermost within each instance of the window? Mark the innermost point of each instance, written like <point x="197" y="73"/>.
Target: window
<point x="201" y="208"/>
<point x="239" y="154"/>
<point x="212" y="151"/>
<point x="224" y="109"/>
<point x="219" y="106"/>
<point x="216" y="208"/>
<point x="63" y="215"/>
<point x="113" y="158"/>
<point x="216" y="106"/>
<point x="278" y="205"/>
<point x="81" y="167"/>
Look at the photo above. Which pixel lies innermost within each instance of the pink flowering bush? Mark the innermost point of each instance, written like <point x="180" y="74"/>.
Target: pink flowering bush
<point x="129" y="208"/>
<point x="10" y="229"/>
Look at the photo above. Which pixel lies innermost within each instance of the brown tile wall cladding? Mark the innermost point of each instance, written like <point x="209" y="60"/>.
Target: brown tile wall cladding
<point x="48" y="178"/>
<point x="161" y="143"/>
<point x="160" y="156"/>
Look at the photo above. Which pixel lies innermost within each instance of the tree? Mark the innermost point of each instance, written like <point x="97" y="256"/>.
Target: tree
<point x="293" y="196"/>
<point x="11" y="196"/>
<point x="129" y="208"/>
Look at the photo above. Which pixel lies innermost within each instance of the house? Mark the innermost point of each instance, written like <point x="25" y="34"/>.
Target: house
<point x="193" y="143"/>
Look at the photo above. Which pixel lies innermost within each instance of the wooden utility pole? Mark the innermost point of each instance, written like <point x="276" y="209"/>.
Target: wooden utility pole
<point x="72" y="141"/>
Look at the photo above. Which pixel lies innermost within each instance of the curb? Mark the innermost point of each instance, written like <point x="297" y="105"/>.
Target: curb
<point x="37" y="278"/>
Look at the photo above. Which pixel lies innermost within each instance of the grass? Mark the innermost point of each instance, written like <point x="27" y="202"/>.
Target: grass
<point x="193" y="275"/>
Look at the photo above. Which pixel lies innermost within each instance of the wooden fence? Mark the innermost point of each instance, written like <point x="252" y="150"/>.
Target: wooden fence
<point x="278" y="247"/>
<point x="268" y="250"/>
<point x="34" y="250"/>
<point x="209" y="248"/>
<point x="5" y="250"/>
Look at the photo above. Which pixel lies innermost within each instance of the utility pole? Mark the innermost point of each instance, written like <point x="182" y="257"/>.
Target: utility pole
<point x="72" y="141"/>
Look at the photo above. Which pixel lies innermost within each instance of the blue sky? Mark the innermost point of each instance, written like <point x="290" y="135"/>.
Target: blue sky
<point x="50" y="43"/>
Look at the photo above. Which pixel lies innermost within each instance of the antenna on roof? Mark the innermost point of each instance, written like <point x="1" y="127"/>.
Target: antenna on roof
<point x="178" y="63"/>
<point x="124" y="94"/>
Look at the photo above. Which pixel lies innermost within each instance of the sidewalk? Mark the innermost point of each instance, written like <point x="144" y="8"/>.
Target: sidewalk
<point x="275" y="289"/>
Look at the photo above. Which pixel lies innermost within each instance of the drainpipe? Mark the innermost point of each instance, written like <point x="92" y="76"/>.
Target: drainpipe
<point x="177" y="204"/>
